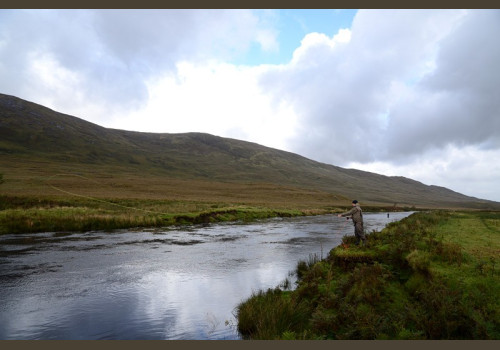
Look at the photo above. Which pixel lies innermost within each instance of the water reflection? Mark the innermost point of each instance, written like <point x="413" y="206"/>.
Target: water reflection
<point x="153" y="284"/>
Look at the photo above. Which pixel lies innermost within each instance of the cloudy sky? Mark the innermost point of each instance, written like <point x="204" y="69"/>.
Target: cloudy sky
<point x="397" y="92"/>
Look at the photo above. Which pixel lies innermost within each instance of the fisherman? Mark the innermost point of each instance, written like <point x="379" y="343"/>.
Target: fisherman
<point x="357" y="218"/>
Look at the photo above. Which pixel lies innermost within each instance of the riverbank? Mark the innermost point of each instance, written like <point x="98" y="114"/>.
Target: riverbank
<point x="430" y="276"/>
<point x="79" y="214"/>
<point x="28" y="215"/>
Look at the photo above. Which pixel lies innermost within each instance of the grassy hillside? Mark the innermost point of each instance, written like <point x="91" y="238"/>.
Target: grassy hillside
<point x="48" y="154"/>
<point x="430" y="276"/>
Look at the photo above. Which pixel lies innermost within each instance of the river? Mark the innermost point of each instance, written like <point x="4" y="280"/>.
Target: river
<point x="169" y="283"/>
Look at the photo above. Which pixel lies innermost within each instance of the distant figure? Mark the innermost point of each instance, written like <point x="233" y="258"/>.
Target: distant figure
<point x="388" y="215"/>
<point x="357" y="218"/>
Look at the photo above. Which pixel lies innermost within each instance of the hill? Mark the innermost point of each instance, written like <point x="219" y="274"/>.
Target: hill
<point x="38" y="144"/>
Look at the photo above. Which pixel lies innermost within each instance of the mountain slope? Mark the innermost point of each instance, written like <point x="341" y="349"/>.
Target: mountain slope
<point x="31" y="134"/>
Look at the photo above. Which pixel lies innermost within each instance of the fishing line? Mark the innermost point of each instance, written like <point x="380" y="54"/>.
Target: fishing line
<point x="93" y="198"/>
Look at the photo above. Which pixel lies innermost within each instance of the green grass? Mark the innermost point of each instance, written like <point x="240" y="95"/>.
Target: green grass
<point x="431" y="276"/>
<point x="286" y="316"/>
<point x="23" y="214"/>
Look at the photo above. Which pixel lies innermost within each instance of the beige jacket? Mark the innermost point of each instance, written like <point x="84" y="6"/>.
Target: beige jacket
<point x="356" y="213"/>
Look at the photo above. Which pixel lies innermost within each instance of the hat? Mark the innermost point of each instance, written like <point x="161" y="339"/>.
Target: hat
<point x="355" y="202"/>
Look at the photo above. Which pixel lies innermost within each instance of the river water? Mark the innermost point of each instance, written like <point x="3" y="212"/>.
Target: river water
<point x="170" y="283"/>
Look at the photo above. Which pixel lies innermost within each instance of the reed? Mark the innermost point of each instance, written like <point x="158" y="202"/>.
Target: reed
<point x="286" y="315"/>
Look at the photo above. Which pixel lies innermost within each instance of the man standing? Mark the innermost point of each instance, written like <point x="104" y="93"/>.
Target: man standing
<point x="357" y="218"/>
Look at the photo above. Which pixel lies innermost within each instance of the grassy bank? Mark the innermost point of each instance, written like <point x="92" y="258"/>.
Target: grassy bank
<point x="30" y="214"/>
<point x="431" y="276"/>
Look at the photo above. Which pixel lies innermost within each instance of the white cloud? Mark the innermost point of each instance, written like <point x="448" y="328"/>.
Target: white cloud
<point x="343" y="36"/>
<point x="115" y="53"/>
<point x="315" y="46"/>
<point x="454" y="104"/>
<point x="340" y="88"/>
<point x="217" y="98"/>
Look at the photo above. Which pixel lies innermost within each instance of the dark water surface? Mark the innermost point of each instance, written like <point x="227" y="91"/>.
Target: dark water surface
<point x="172" y="283"/>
